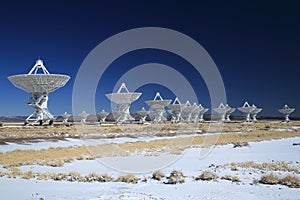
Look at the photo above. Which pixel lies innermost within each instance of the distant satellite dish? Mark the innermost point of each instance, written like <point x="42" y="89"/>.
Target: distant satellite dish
<point x="247" y="109"/>
<point x="83" y="116"/>
<point x="255" y="112"/>
<point x="286" y="111"/>
<point x="176" y="109"/>
<point x="39" y="85"/>
<point x="201" y="113"/>
<point x="143" y="113"/>
<point x="123" y="98"/>
<point x="157" y="108"/>
<point x="102" y="115"/>
<point x="222" y="110"/>
<point x="65" y="117"/>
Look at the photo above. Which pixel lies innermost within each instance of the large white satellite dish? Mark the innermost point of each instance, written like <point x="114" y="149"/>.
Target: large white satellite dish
<point x="39" y="85"/>
<point x="255" y="112"/>
<point x="176" y="109"/>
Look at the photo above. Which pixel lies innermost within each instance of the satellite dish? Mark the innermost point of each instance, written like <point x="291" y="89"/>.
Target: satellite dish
<point x="247" y="109"/>
<point x="176" y="109"/>
<point x="39" y="86"/>
<point x="123" y="99"/>
<point x="157" y="108"/>
<point x="187" y="112"/>
<point x="83" y="116"/>
<point x="102" y="115"/>
<point x="286" y="111"/>
<point x="143" y="113"/>
<point x="229" y="112"/>
<point x="222" y="110"/>
<point x="195" y="113"/>
<point x="255" y="112"/>
<point x="201" y="113"/>
<point x="65" y="117"/>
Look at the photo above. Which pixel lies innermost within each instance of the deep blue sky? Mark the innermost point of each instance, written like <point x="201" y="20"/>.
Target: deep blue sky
<point x="255" y="45"/>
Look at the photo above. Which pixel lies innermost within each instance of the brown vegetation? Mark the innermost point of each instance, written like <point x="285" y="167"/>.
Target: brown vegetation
<point x="208" y="175"/>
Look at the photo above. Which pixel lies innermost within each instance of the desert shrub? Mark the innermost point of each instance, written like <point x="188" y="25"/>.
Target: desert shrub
<point x="234" y="167"/>
<point x="55" y="163"/>
<point x="14" y="172"/>
<point x="28" y="175"/>
<point x="231" y="178"/>
<point x="104" y="178"/>
<point x="271" y="179"/>
<point x="208" y="175"/>
<point x="290" y="181"/>
<point x="158" y="175"/>
<point x="74" y="176"/>
<point x="43" y="176"/>
<point x="176" y="177"/>
<point x="128" y="178"/>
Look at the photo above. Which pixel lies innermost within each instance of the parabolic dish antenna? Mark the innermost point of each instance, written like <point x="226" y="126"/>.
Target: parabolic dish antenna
<point x="102" y="115"/>
<point x="255" y="112"/>
<point x="187" y="112"/>
<point x="202" y="111"/>
<point x="157" y="106"/>
<point x="247" y="109"/>
<point x="195" y="113"/>
<point x="229" y="112"/>
<point x="143" y="114"/>
<point x="286" y="111"/>
<point x="222" y="110"/>
<point x="175" y="109"/>
<point x="39" y="85"/>
<point x="123" y="98"/>
<point x="65" y="117"/>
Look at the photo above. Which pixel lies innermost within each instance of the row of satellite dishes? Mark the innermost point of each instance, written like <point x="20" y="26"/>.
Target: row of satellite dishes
<point x="40" y="85"/>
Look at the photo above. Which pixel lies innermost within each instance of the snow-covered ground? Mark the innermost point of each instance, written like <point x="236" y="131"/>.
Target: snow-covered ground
<point x="191" y="163"/>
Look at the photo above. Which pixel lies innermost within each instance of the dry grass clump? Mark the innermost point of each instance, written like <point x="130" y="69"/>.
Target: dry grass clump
<point x="28" y="175"/>
<point x="176" y="177"/>
<point x="231" y="178"/>
<point x="273" y="166"/>
<point x="208" y="175"/>
<point x="292" y="181"/>
<point x="158" y="175"/>
<point x="128" y="178"/>
<point x="14" y="172"/>
<point x="234" y="166"/>
<point x="271" y="179"/>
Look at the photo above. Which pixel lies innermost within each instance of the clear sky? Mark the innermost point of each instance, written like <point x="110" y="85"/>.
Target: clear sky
<point x="255" y="45"/>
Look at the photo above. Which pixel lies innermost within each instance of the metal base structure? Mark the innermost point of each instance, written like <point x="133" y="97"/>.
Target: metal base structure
<point x="41" y="114"/>
<point x="195" y="114"/>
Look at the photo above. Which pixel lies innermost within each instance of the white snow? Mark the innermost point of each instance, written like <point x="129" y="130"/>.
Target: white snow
<point x="191" y="163"/>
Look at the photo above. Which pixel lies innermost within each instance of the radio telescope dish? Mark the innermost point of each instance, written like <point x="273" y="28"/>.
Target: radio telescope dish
<point x="201" y="113"/>
<point x="247" y="109"/>
<point x="195" y="113"/>
<point x="255" y="112"/>
<point x="143" y="113"/>
<point x="222" y="110"/>
<point x="176" y="109"/>
<point x="83" y="116"/>
<point x="123" y="99"/>
<point x="65" y="117"/>
<point x="157" y="106"/>
<point x="228" y="113"/>
<point x="102" y="115"/>
<point x="187" y="112"/>
<point x="39" y="85"/>
<point x="286" y="111"/>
